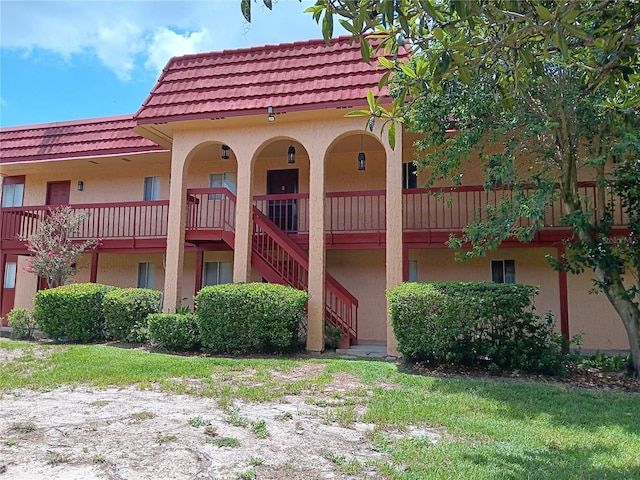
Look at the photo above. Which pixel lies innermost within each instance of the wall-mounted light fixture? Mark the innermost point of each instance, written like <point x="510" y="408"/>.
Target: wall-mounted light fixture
<point x="362" y="158"/>
<point x="80" y="185"/>
<point x="225" y="152"/>
<point x="270" y="115"/>
<point x="291" y="154"/>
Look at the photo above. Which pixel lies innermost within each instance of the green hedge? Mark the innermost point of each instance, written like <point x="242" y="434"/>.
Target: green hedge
<point x="174" y="331"/>
<point x="474" y="322"/>
<point x="126" y="310"/>
<point x="22" y="324"/>
<point x="72" y="312"/>
<point x="249" y="317"/>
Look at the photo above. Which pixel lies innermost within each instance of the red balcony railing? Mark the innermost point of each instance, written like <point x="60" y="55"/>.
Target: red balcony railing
<point x="290" y="211"/>
<point x="123" y="220"/>
<point x="280" y="259"/>
<point x="356" y="212"/>
<point x="451" y="209"/>
<point x="211" y="209"/>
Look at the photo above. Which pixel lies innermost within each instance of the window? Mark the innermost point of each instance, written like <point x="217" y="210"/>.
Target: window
<point x="12" y="191"/>
<point x="223" y="180"/>
<point x="10" y="275"/>
<point x="151" y="189"/>
<point x="145" y="275"/>
<point x="409" y="175"/>
<point x="413" y="270"/>
<point x="503" y="271"/>
<point x="216" y="273"/>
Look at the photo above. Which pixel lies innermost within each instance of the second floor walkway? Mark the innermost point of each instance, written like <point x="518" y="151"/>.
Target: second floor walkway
<point x="353" y="219"/>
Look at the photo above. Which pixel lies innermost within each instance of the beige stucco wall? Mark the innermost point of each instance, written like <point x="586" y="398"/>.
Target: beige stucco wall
<point x="114" y="181"/>
<point x="531" y="269"/>
<point x="362" y="272"/>
<point x="592" y="316"/>
<point x="26" y="284"/>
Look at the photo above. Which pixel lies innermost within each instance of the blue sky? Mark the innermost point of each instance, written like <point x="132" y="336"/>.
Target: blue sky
<point x="84" y="59"/>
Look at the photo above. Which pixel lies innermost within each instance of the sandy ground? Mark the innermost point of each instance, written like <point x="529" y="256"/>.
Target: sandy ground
<point x="86" y="433"/>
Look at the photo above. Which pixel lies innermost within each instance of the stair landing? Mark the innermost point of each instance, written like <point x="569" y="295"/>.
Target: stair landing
<point x="365" y="349"/>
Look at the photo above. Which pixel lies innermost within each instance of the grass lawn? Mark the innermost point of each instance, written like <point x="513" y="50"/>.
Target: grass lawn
<point x="490" y="429"/>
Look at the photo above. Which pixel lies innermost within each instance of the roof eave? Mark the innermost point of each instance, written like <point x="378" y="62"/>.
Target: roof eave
<point x="245" y="113"/>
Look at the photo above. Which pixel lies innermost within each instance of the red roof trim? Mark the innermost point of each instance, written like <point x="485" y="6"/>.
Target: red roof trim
<point x="67" y="123"/>
<point x="89" y="154"/>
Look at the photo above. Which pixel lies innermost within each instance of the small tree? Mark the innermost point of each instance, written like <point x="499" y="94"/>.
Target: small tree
<point x="54" y="251"/>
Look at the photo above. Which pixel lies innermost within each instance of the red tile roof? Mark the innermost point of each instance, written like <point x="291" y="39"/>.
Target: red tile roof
<point x="84" y="138"/>
<point x="294" y="76"/>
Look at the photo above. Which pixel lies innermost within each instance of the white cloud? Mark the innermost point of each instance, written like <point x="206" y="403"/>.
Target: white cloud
<point x="130" y="35"/>
<point x="166" y="43"/>
<point x="117" y="45"/>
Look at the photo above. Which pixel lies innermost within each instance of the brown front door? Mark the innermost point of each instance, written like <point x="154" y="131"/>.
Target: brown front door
<point x="283" y="211"/>
<point x="58" y="193"/>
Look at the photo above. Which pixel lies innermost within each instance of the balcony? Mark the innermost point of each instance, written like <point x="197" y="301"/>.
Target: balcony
<point x="352" y="218"/>
<point x="124" y="225"/>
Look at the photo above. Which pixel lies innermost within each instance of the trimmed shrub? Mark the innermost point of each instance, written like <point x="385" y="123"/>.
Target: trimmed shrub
<point x="22" y="324"/>
<point x="126" y="310"/>
<point x="72" y="312"/>
<point x="174" y="331"/>
<point x="243" y="318"/>
<point x="474" y="322"/>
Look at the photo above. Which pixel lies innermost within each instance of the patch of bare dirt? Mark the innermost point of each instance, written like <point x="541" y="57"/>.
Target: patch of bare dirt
<point x="86" y="433"/>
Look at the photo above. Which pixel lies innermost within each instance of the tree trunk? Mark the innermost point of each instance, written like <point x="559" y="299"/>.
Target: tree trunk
<point x="610" y="281"/>
<point x="629" y="313"/>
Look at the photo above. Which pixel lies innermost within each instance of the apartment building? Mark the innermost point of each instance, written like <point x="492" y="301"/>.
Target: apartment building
<point x="241" y="166"/>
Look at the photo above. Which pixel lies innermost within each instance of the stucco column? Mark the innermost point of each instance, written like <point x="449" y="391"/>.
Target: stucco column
<point x="174" y="258"/>
<point x="244" y="217"/>
<point x="394" y="242"/>
<point x="316" y="287"/>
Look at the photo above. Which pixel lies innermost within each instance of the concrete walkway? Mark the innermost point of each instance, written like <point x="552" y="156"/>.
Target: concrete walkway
<point x="365" y="349"/>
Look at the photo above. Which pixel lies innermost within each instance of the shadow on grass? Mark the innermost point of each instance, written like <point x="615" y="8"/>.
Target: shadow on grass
<point x="561" y="405"/>
<point x="577" y="463"/>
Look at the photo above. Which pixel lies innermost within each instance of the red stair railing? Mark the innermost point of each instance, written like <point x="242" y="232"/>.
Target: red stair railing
<point x="283" y="261"/>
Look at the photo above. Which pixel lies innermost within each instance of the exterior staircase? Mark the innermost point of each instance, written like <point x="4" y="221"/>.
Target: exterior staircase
<point x="280" y="260"/>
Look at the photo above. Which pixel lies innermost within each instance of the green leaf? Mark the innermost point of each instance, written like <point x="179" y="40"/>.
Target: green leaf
<point x="327" y="25"/>
<point x="347" y="26"/>
<point x="384" y="80"/>
<point x="371" y="100"/>
<point x="561" y="43"/>
<point x="438" y="33"/>
<point x="407" y="70"/>
<point x="392" y="135"/>
<point x="365" y="50"/>
<point x="245" y="7"/>
<point x="464" y="74"/>
<point x="577" y="32"/>
<point x="268" y="4"/>
<point x="544" y="13"/>
<point x="358" y="113"/>
<point x="385" y="62"/>
<point x="431" y="11"/>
